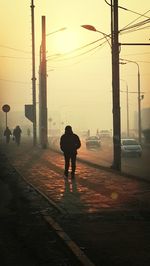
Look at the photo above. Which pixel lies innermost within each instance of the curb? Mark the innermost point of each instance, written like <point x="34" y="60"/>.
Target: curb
<point x="79" y="254"/>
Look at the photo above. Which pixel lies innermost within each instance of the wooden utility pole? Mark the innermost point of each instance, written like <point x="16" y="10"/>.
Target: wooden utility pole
<point x="33" y="75"/>
<point x="43" y="89"/>
<point x="115" y="87"/>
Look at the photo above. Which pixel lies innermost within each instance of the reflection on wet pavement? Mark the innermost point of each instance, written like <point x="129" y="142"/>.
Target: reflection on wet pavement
<point x="92" y="189"/>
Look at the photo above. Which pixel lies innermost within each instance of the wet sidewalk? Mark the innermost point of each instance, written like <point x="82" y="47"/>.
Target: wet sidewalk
<point x="104" y="212"/>
<point x="92" y="190"/>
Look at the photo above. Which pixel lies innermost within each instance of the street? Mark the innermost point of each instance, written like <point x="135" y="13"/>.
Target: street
<point x="138" y="166"/>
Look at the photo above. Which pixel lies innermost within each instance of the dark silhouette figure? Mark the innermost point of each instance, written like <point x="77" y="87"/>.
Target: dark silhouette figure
<point x="17" y="134"/>
<point x="7" y="134"/>
<point x="69" y="143"/>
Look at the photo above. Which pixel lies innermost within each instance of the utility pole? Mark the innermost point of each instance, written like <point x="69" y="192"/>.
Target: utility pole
<point x="139" y="99"/>
<point x="127" y="104"/>
<point x="33" y="75"/>
<point x="43" y="89"/>
<point x="139" y="108"/>
<point x="127" y="92"/>
<point x="115" y="87"/>
<point x="40" y="97"/>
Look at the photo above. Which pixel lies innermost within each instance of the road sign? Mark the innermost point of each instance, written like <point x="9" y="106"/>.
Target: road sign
<point x="29" y="112"/>
<point x="6" y="108"/>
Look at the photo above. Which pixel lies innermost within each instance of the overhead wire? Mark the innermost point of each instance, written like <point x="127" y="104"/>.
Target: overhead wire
<point x="127" y="9"/>
<point x="134" y="12"/>
<point x="126" y="29"/>
<point x="139" y="24"/>
<point x="77" y="49"/>
<point x="13" y="81"/>
<point x="15" y="49"/>
<point x="140" y="15"/>
<point x="92" y="49"/>
<point x="135" y="19"/>
<point x="14" y="57"/>
<point x="134" y="30"/>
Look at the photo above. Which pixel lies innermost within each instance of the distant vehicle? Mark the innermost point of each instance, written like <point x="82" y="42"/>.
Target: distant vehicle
<point x="105" y="134"/>
<point x="93" y="142"/>
<point x="130" y="147"/>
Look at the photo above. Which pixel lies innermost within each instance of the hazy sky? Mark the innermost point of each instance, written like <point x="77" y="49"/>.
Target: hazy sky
<point x="79" y="72"/>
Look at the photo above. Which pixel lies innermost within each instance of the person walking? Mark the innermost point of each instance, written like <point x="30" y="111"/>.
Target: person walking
<point x="17" y="134"/>
<point x="69" y="144"/>
<point x="7" y="134"/>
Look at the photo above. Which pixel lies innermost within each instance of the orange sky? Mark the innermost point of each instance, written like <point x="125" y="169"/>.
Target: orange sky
<point x="79" y="83"/>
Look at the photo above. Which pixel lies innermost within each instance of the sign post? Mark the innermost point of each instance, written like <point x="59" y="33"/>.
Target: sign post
<point x="6" y="109"/>
<point x="29" y="112"/>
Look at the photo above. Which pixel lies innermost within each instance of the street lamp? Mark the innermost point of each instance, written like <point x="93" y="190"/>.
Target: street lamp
<point x="125" y="61"/>
<point x="92" y="28"/>
<point x="127" y="99"/>
<point x="115" y="83"/>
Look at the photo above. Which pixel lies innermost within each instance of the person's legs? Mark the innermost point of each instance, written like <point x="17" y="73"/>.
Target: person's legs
<point x="73" y="164"/>
<point x="67" y="163"/>
<point x="18" y="142"/>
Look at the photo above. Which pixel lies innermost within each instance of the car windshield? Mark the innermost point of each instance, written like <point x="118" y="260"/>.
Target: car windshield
<point x="129" y="142"/>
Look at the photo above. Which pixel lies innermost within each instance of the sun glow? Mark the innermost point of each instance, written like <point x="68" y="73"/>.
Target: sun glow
<point x="66" y="41"/>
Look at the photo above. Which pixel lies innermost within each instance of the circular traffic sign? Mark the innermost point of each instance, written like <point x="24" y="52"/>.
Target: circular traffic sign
<point x="6" y="108"/>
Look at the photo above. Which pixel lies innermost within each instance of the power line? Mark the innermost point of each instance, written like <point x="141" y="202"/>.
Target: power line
<point x="14" y="57"/>
<point x="136" y="19"/>
<point x="136" y="54"/>
<point x="134" y="12"/>
<point x="139" y="24"/>
<point x="72" y="57"/>
<point x="141" y="15"/>
<point x="108" y="35"/>
<point x="15" y="49"/>
<point x="77" y="49"/>
<point x="77" y="61"/>
<point x="127" y="9"/>
<point x="14" y="81"/>
<point x="130" y="31"/>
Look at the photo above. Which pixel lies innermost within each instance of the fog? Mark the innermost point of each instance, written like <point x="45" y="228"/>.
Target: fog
<point x="79" y="86"/>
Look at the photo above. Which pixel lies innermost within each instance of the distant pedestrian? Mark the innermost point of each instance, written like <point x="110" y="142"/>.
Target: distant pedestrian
<point x="17" y="134"/>
<point x="69" y="144"/>
<point x="7" y="134"/>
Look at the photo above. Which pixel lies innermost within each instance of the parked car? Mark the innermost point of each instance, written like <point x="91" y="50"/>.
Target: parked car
<point x="130" y="147"/>
<point x="93" y="142"/>
<point x="105" y="134"/>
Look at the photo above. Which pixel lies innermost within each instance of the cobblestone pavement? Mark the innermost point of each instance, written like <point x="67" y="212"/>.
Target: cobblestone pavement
<point x="92" y="190"/>
<point x="106" y="213"/>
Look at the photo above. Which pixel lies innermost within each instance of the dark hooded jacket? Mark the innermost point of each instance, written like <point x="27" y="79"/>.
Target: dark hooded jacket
<point x="69" y="142"/>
